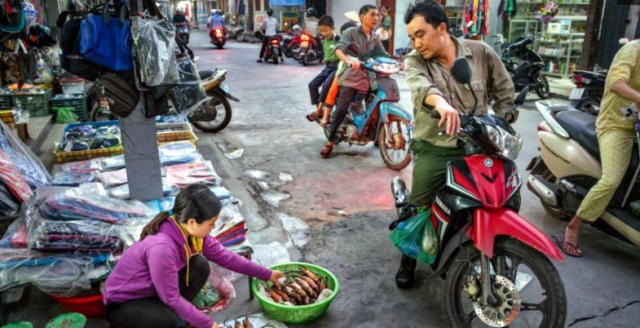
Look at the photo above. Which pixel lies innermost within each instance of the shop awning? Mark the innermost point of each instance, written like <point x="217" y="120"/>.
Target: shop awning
<point x="286" y="2"/>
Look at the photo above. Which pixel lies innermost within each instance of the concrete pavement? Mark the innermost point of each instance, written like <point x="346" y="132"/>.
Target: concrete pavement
<point x="335" y="212"/>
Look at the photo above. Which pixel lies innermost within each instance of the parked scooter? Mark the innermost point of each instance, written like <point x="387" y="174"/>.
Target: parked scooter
<point x="218" y="37"/>
<point x="215" y="113"/>
<point x="291" y="42"/>
<point x="526" y="69"/>
<point x="382" y="120"/>
<point x="569" y="165"/>
<point x="309" y="49"/>
<point x="587" y="94"/>
<point x="483" y="248"/>
<point x="183" y="30"/>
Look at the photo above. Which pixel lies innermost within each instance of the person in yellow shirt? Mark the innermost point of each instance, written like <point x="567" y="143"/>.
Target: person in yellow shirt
<point x="615" y="128"/>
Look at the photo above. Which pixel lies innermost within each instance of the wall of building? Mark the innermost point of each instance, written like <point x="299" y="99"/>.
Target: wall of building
<point x="337" y="8"/>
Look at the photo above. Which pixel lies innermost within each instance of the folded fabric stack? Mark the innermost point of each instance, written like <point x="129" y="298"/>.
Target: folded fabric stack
<point x="233" y="230"/>
<point x="71" y="236"/>
<point x="187" y="174"/>
<point x="179" y="152"/>
<point x="73" y="205"/>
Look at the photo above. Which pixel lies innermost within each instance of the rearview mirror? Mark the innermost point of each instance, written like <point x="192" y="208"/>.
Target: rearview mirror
<point x="461" y="71"/>
<point x="522" y="96"/>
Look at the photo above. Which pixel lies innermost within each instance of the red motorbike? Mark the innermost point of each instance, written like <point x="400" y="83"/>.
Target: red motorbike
<point x="495" y="262"/>
<point x="309" y="49"/>
<point x="218" y="37"/>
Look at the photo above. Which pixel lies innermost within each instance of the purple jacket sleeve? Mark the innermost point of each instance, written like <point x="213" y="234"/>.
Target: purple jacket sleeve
<point x="217" y="253"/>
<point x="164" y="274"/>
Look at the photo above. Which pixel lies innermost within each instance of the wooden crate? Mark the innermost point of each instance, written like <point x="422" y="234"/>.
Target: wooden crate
<point x="165" y="137"/>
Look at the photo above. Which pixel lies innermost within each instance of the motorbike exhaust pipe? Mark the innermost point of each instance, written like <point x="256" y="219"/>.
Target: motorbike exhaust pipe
<point x="400" y="192"/>
<point x="538" y="187"/>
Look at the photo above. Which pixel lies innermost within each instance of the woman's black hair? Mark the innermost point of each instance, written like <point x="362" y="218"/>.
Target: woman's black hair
<point x="196" y="201"/>
<point x="326" y="20"/>
<point x="432" y="11"/>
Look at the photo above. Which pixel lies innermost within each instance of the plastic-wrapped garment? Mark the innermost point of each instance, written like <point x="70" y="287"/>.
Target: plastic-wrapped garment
<point x="81" y="236"/>
<point x="90" y="132"/>
<point x="73" y="179"/>
<point x="122" y="192"/>
<point x="113" y="178"/>
<point x="53" y="274"/>
<point x="91" y="165"/>
<point x="113" y="163"/>
<point x="189" y="93"/>
<point x="160" y="205"/>
<point x="15" y="236"/>
<point x="12" y="179"/>
<point x="221" y="192"/>
<point x="25" y="161"/>
<point x="9" y="204"/>
<point x="75" y="204"/>
<point x="187" y="174"/>
<point x="155" y="45"/>
<point x="179" y="152"/>
<point x="30" y="210"/>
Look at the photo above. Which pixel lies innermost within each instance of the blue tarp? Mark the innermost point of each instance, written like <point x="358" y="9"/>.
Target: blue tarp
<point x="286" y="2"/>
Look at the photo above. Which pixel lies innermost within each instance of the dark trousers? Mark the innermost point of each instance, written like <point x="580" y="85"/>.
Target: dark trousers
<point x="151" y="312"/>
<point x="345" y="97"/>
<point x="265" y="43"/>
<point x="385" y="44"/>
<point x="324" y="79"/>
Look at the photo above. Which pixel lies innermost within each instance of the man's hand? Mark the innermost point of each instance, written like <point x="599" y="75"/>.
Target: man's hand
<point x="449" y="115"/>
<point x="354" y="63"/>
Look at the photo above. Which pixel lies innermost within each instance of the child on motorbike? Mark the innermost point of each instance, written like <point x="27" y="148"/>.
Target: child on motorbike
<point x="326" y="28"/>
<point x="329" y="90"/>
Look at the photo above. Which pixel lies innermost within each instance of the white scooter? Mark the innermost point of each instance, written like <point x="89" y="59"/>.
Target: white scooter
<point x="569" y="165"/>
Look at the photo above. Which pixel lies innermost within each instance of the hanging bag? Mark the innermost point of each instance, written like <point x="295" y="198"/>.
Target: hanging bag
<point x="106" y="40"/>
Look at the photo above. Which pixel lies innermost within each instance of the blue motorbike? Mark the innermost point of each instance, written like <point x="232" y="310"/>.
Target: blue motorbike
<point x="382" y="119"/>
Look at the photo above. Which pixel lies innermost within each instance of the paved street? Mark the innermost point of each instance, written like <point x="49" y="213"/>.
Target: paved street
<point x="335" y="212"/>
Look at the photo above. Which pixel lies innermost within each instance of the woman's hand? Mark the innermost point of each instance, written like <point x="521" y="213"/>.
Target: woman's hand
<point x="215" y="325"/>
<point x="276" y="276"/>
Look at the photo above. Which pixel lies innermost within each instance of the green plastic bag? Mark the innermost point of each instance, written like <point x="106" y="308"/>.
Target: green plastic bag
<point x="416" y="238"/>
<point x="19" y="324"/>
<point x="68" y="320"/>
<point x="65" y="115"/>
<point x="206" y="298"/>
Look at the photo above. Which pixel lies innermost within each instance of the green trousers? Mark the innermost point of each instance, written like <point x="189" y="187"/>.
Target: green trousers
<point x="429" y="170"/>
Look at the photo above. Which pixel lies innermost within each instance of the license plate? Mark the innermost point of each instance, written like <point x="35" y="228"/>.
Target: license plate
<point x="576" y="94"/>
<point x="225" y="88"/>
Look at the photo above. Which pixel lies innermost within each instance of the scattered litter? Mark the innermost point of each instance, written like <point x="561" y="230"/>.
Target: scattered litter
<point x="235" y="154"/>
<point x="284" y="177"/>
<point x="274" y="198"/>
<point x="337" y="212"/>
<point x="264" y="185"/>
<point x="271" y="254"/>
<point x="298" y="229"/>
<point x="522" y="280"/>
<point x="256" y="174"/>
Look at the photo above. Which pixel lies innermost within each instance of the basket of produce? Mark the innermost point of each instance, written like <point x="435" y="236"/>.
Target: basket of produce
<point x="303" y="297"/>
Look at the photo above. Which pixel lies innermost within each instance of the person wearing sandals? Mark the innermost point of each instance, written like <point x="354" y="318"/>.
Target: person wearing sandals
<point x="326" y="28"/>
<point x="354" y="83"/>
<point x="615" y="128"/>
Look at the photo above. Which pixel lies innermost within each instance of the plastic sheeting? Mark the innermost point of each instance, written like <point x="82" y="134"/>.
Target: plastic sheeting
<point x="26" y="162"/>
<point x="155" y="47"/>
<point x="189" y="93"/>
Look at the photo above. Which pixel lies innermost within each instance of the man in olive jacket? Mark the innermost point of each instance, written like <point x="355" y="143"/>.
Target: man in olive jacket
<point x="433" y="88"/>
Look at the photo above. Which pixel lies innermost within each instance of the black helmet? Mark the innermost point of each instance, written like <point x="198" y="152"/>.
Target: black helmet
<point x="311" y="12"/>
<point x="270" y="12"/>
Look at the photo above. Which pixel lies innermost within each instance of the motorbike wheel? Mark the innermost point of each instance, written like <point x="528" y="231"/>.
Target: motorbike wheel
<point x="275" y="58"/>
<point x="395" y="159"/>
<point x="305" y="60"/>
<point x="220" y="110"/>
<point x="542" y="87"/>
<point x="589" y="105"/>
<point x="543" y="301"/>
<point x="295" y="51"/>
<point x="240" y="36"/>
<point x="99" y="114"/>
<point x="219" y="45"/>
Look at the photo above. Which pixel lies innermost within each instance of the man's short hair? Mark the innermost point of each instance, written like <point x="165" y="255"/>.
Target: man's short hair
<point x="365" y="9"/>
<point x="326" y="20"/>
<point x="432" y="12"/>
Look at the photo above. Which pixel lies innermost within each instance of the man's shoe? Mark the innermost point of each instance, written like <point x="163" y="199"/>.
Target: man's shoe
<point x="407" y="273"/>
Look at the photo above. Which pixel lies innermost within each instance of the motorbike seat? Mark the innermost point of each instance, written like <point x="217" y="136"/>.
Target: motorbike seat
<point x="205" y="74"/>
<point x="581" y="128"/>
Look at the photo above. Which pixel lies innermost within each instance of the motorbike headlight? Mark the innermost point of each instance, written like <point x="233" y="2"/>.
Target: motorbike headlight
<point x="387" y="68"/>
<point x="507" y="144"/>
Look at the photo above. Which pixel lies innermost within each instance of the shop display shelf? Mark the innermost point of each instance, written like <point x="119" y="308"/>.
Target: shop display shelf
<point x="5" y="102"/>
<point x="165" y="137"/>
<point x="82" y="155"/>
<point x="36" y="104"/>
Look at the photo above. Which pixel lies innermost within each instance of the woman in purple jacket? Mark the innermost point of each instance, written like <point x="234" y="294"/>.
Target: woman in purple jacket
<point x="156" y="279"/>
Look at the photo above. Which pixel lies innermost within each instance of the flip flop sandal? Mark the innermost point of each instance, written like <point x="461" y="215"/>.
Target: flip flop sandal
<point x="567" y="248"/>
<point x="19" y="324"/>
<point x="326" y="151"/>
<point x="324" y="123"/>
<point x="312" y="117"/>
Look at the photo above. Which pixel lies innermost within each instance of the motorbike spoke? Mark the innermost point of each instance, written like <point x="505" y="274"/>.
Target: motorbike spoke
<point x="533" y="307"/>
